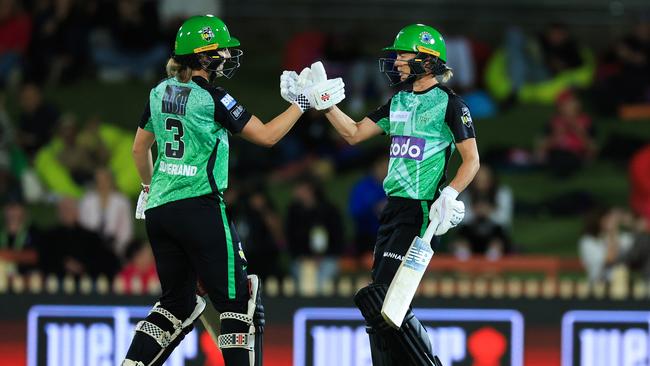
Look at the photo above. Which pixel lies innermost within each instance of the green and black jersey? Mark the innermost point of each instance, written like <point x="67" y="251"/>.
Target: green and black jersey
<point x="191" y="122"/>
<point x="423" y="127"/>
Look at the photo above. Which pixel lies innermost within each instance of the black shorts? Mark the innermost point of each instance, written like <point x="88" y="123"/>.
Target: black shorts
<point x="401" y="220"/>
<point x="192" y="238"/>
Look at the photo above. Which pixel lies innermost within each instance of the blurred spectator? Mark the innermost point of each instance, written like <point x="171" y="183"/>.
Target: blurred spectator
<point x="310" y="139"/>
<point x="486" y="187"/>
<point x="70" y="249"/>
<point x="19" y="240"/>
<point x="640" y="183"/>
<point x="537" y="70"/>
<point x="314" y="229"/>
<point x="560" y="51"/>
<point x="37" y="121"/>
<point x="603" y="242"/>
<point x="58" y="48"/>
<point x="9" y="187"/>
<point x="569" y="140"/>
<point x="625" y="72"/>
<point x="15" y="33"/>
<point x="638" y="257"/>
<point x="481" y="235"/>
<point x="367" y="200"/>
<point x="302" y="49"/>
<point x="345" y="58"/>
<point x="259" y="227"/>
<point x="107" y="212"/>
<point x="132" y="47"/>
<point x="141" y="265"/>
<point x="461" y="60"/>
<point x="75" y="157"/>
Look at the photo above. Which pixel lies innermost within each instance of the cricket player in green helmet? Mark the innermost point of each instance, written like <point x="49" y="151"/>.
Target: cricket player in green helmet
<point x="191" y="120"/>
<point x="427" y="122"/>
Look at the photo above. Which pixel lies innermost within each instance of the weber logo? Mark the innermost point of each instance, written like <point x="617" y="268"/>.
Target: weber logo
<point x="605" y="338"/>
<point x="337" y="336"/>
<point x="407" y="147"/>
<point x="91" y="335"/>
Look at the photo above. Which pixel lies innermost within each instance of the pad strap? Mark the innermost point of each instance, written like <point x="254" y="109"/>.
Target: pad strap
<point x="162" y="311"/>
<point x="152" y="330"/>
<point x="244" y="318"/>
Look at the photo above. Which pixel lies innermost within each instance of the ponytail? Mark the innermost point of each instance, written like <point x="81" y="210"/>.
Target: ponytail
<point x="182" y="73"/>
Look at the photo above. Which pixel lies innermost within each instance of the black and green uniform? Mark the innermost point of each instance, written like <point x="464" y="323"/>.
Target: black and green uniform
<point x="424" y="127"/>
<point x="186" y="217"/>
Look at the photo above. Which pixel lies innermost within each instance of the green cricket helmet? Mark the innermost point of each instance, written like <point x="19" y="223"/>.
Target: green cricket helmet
<point x="428" y="45"/>
<point x="420" y="38"/>
<point x="208" y="38"/>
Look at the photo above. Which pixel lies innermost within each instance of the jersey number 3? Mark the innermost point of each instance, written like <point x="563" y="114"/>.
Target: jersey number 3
<point x="179" y="151"/>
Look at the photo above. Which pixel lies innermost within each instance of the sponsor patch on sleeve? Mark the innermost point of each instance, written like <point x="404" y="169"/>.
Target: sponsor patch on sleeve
<point x="228" y="101"/>
<point x="465" y="117"/>
<point x="237" y="111"/>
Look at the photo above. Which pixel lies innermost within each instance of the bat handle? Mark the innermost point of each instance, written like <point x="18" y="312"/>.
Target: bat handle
<point x="431" y="229"/>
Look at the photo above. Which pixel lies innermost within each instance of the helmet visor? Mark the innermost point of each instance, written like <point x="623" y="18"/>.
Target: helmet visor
<point x="222" y="62"/>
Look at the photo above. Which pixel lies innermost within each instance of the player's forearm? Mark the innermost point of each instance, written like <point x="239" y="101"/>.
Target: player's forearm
<point x="344" y="125"/>
<point x="144" y="164"/>
<point x="279" y="126"/>
<point x="465" y="173"/>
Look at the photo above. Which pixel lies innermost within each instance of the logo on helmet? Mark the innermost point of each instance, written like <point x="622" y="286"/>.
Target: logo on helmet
<point x="426" y="37"/>
<point x="207" y="34"/>
<point x="325" y="97"/>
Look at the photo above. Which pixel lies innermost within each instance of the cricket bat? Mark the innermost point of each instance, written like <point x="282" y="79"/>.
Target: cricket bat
<point x="407" y="278"/>
<point x="210" y="320"/>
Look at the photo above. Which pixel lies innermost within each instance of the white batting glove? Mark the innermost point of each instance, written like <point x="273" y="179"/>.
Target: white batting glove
<point x="447" y="210"/>
<point x="326" y="94"/>
<point x="289" y="86"/>
<point x="142" y="202"/>
<point x="311" y="89"/>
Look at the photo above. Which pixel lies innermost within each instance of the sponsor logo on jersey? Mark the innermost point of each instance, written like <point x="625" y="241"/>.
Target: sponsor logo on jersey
<point x="407" y="147"/>
<point x="399" y="116"/>
<point x="466" y="118"/>
<point x="228" y="101"/>
<point x="207" y="34"/>
<point x="177" y="169"/>
<point x="237" y="111"/>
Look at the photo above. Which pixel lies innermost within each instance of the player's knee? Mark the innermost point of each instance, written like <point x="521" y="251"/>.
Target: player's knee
<point x="369" y="300"/>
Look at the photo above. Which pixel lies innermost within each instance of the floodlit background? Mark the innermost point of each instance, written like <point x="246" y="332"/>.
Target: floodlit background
<point x="557" y="223"/>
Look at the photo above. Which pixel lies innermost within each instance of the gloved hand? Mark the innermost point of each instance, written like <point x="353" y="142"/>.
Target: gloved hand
<point x="142" y="202"/>
<point x="311" y="89"/>
<point x="447" y="210"/>
<point x="289" y="86"/>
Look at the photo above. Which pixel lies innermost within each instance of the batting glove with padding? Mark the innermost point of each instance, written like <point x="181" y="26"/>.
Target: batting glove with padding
<point x="448" y="211"/>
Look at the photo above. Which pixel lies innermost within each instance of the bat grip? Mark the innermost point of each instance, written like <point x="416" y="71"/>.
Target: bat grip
<point x="431" y="229"/>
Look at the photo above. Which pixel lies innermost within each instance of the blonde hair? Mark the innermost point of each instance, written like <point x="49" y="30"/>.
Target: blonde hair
<point x="180" y="72"/>
<point x="445" y="76"/>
